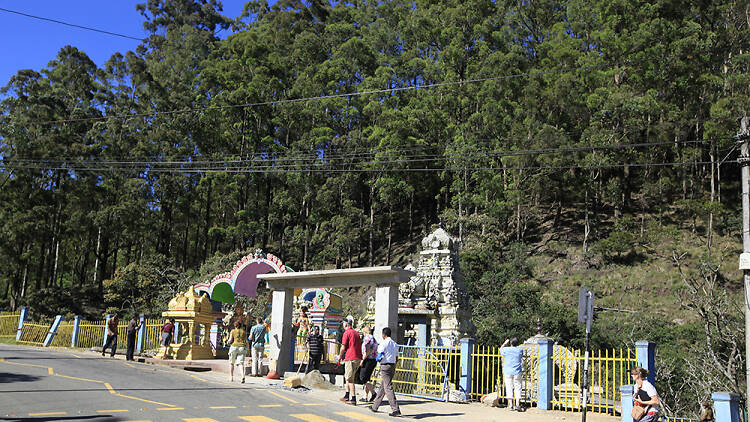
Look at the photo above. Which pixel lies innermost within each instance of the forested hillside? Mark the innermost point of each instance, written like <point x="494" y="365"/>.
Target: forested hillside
<point x="562" y="142"/>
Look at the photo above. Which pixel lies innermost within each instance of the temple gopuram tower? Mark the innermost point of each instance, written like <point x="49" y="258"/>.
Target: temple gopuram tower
<point x="433" y="304"/>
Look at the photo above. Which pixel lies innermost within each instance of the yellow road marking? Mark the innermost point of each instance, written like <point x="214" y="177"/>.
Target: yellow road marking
<point x="222" y="407"/>
<point x="113" y="411"/>
<point x="309" y="417"/>
<point x="170" y="408"/>
<point x="144" y="400"/>
<point x="49" y="414"/>
<point x="106" y="384"/>
<point x="269" y="405"/>
<point x="75" y="355"/>
<point x="257" y="419"/>
<point x="282" y="396"/>
<point x="360" y="416"/>
<point x="199" y="420"/>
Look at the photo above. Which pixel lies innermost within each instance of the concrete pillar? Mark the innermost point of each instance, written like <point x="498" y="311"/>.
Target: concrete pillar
<point x="645" y="354"/>
<point x="546" y="370"/>
<point x="140" y="341"/>
<point x="76" y="329"/>
<point x="422" y="334"/>
<point x="214" y="336"/>
<point x="21" y="319"/>
<point x="281" y="332"/>
<point x="626" y="395"/>
<point x="467" y="347"/>
<point x="106" y="324"/>
<point x="386" y="309"/>
<point x="52" y="330"/>
<point x="727" y="407"/>
<point x="176" y="338"/>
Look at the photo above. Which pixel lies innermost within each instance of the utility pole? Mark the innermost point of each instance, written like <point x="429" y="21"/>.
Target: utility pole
<point x="743" y="137"/>
<point x="585" y="316"/>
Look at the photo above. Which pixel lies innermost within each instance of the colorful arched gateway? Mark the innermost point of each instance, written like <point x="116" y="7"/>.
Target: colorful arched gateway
<point x="243" y="277"/>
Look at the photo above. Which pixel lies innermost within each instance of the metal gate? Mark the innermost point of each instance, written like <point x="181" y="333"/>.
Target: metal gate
<point x="422" y="372"/>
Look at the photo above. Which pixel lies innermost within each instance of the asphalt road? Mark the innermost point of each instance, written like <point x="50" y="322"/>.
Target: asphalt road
<point x="62" y="385"/>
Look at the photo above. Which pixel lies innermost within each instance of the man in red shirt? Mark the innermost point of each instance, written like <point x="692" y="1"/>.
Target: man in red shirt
<point x="351" y="353"/>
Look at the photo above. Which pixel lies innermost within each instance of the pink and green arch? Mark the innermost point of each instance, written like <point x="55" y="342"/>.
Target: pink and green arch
<point x="243" y="277"/>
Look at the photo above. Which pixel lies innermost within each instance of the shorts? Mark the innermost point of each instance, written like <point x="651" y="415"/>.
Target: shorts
<point x="365" y="372"/>
<point x="237" y="354"/>
<point x="166" y="339"/>
<point x="350" y="369"/>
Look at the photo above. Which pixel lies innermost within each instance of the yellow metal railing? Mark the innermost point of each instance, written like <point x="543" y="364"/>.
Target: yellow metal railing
<point x="422" y="371"/>
<point x="487" y="374"/>
<point x="9" y="324"/>
<point x="608" y="369"/>
<point x="90" y="334"/>
<point x="34" y="333"/>
<point x="63" y="335"/>
<point x="153" y="334"/>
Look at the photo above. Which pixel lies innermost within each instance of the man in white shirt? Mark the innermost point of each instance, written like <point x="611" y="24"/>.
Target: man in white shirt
<point x="388" y="354"/>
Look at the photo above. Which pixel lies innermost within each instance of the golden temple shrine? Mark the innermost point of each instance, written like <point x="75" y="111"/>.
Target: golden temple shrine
<point x="194" y="315"/>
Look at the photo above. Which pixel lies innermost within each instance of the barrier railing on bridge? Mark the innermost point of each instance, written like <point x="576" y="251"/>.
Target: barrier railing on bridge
<point x="90" y="334"/>
<point x="421" y="371"/>
<point x="609" y="369"/>
<point x="63" y="334"/>
<point x="487" y="374"/>
<point x="9" y="324"/>
<point x="34" y="333"/>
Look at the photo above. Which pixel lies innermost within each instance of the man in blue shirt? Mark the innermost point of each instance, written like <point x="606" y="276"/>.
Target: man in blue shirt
<point x="257" y="343"/>
<point x="512" y="370"/>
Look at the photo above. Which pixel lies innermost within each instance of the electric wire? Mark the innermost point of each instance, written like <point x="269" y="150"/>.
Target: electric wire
<point x="305" y="99"/>
<point x="88" y="28"/>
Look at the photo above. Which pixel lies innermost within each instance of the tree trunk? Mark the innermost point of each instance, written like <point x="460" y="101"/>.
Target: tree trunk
<point x="207" y="220"/>
<point x="390" y="236"/>
<point x="96" y="254"/>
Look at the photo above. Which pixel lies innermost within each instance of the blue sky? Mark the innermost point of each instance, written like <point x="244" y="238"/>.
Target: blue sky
<point x="31" y="43"/>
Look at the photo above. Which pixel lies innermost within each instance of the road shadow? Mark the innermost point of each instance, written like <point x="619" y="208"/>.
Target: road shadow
<point x="91" y="418"/>
<point x="432" y="415"/>
<point x="11" y="377"/>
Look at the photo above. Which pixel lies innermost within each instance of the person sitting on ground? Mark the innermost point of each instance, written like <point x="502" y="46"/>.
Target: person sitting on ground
<point x="512" y="371"/>
<point x="237" y="350"/>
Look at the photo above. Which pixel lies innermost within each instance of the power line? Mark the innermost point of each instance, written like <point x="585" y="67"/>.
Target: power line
<point x="405" y="155"/>
<point x="305" y="99"/>
<point x="249" y="170"/>
<point x="88" y="28"/>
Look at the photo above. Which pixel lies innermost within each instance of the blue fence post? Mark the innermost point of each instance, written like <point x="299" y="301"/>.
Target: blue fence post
<point x="467" y="346"/>
<point x="21" y="319"/>
<point x="626" y="395"/>
<point x="106" y="324"/>
<point x="141" y="341"/>
<point x="546" y="370"/>
<point x="76" y="328"/>
<point x="727" y="407"/>
<point x="52" y="330"/>
<point x="176" y="336"/>
<point x="645" y="355"/>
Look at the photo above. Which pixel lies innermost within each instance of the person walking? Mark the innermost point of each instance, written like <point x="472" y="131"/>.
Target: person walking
<point x="237" y="350"/>
<point x="388" y="355"/>
<point x="315" y="349"/>
<point x="369" y="352"/>
<point x="351" y="354"/>
<point x="645" y="395"/>
<point x="133" y="326"/>
<point x="111" y="334"/>
<point x="258" y="344"/>
<point x="512" y="371"/>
